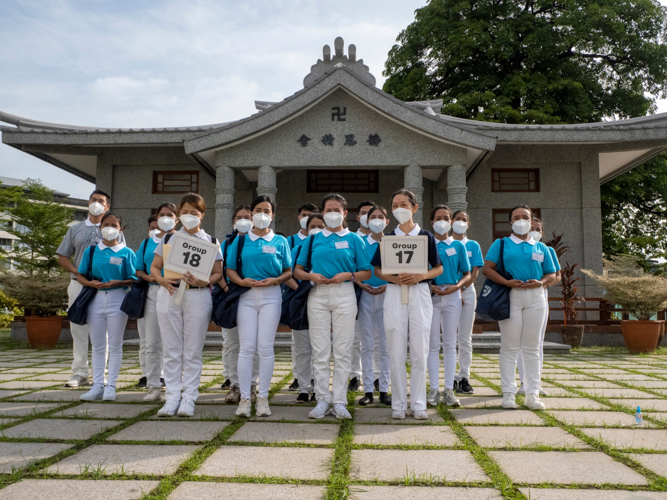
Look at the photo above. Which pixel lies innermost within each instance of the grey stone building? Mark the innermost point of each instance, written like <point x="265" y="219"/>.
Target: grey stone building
<point x="342" y="133"/>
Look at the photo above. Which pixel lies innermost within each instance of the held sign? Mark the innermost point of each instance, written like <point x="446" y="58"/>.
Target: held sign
<point x="187" y="253"/>
<point x="404" y="254"/>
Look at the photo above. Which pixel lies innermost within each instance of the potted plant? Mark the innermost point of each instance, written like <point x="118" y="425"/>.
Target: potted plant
<point x="640" y="294"/>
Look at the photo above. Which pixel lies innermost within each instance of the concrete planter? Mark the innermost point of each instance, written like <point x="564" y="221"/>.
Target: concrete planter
<point x="572" y="335"/>
<point x="641" y="336"/>
<point x="43" y="332"/>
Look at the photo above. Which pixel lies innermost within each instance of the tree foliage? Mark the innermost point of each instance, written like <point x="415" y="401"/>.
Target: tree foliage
<point x="533" y="61"/>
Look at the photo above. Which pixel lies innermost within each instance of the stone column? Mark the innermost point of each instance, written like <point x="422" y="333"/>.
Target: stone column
<point x="413" y="180"/>
<point x="456" y="187"/>
<point x="104" y="176"/>
<point x="266" y="185"/>
<point x="591" y="222"/>
<point x="224" y="200"/>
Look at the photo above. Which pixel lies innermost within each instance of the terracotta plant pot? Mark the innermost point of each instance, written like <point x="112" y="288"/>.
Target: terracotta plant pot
<point x="572" y="335"/>
<point x="662" y="332"/>
<point x="640" y="336"/>
<point x="43" y="332"/>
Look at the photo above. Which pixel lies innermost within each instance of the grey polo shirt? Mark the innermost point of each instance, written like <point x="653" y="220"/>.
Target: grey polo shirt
<point x="78" y="238"/>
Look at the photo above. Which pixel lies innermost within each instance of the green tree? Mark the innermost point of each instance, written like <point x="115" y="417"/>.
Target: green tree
<point x="533" y="61"/>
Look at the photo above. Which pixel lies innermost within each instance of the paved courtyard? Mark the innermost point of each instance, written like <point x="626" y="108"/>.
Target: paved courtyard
<point x="584" y="446"/>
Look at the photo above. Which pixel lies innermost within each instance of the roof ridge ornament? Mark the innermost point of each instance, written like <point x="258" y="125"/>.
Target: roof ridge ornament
<point x="339" y="60"/>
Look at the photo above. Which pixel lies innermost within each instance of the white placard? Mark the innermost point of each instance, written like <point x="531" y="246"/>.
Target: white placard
<point x="187" y="253"/>
<point x="404" y="254"/>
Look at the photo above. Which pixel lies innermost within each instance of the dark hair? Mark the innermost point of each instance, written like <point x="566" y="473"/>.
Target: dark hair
<point x="152" y="218"/>
<point x="381" y="209"/>
<point x="440" y="207"/>
<point x="336" y="197"/>
<point x="118" y="218"/>
<point x="535" y="219"/>
<point x="365" y="204"/>
<point x="168" y="205"/>
<point x="261" y="199"/>
<point x="103" y="193"/>
<point x="239" y="208"/>
<point x="311" y="207"/>
<point x="405" y="192"/>
<point x="314" y="215"/>
<point x="193" y="199"/>
<point x="518" y="207"/>
<point x="460" y="212"/>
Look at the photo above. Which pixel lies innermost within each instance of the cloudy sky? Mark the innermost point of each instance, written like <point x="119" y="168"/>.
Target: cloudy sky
<point x="149" y="63"/>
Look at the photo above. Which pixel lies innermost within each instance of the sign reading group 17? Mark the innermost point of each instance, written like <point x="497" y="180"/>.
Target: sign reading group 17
<point x="404" y="254"/>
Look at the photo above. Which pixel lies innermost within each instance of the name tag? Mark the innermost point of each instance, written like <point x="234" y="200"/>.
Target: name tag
<point x="342" y="244"/>
<point x="469" y="254"/>
<point x="450" y="251"/>
<point x="539" y="257"/>
<point x="116" y="261"/>
<point x="267" y="249"/>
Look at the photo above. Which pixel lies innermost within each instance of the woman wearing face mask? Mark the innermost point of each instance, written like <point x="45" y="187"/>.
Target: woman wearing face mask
<point x="166" y="221"/>
<point x="447" y="306"/>
<point x="114" y="267"/>
<point x="469" y="298"/>
<point x="371" y="315"/>
<point x="338" y="258"/>
<point x="183" y="326"/>
<point x="415" y="316"/>
<point x="266" y="263"/>
<point x="530" y="265"/>
<point x="536" y="234"/>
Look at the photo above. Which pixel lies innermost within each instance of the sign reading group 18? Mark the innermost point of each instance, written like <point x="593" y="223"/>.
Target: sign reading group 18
<point x="404" y="254"/>
<point x="190" y="254"/>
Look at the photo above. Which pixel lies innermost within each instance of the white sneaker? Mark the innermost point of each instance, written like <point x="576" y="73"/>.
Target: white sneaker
<point x="420" y="415"/>
<point x="169" y="409"/>
<point x="522" y="390"/>
<point x="244" y="408"/>
<point x="533" y="402"/>
<point x="187" y="408"/>
<point x="77" y="381"/>
<point x="340" y="412"/>
<point x="262" y="407"/>
<point x="109" y="393"/>
<point x="320" y="411"/>
<point x="94" y="394"/>
<point x="398" y="414"/>
<point x="433" y="397"/>
<point x="449" y="398"/>
<point x="154" y="394"/>
<point x="509" y="401"/>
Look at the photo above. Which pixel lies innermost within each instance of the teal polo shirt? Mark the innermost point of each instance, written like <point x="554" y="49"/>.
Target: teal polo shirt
<point x="554" y="257"/>
<point x="524" y="260"/>
<point x="474" y="253"/>
<point x="371" y="246"/>
<point x="111" y="263"/>
<point x="262" y="256"/>
<point x="145" y="256"/>
<point x="455" y="262"/>
<point x="296" y="240"/>
<point x="334" y="253"/>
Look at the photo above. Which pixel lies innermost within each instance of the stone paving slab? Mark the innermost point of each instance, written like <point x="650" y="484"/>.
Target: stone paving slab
<point x="619" y="393"/>
<point x="133" y="459"/>
<point x="290" y="413"/>
<point x="9" y="394"/>
<point x="383" y="416"/>
<point x="105" y="410"/>
<point x="480" y="401"/>
<point x="565" y="467"/>
<point x="558" y="392"/>
<point x="393" y="435"/>
<point x="246" y="491"/>
<point x="484" y="391"/>
<point x="16" y="455"/>
<point x="75" y="488"/>
<point x="572" y="404"/>
<point x="421" y="493"/>
<point x="213" y="398"/>
<point x="27" y="384"/>
<point x="580" y="384"/>
<point x="281" y="398"/>
<point x="596" y="418"/>
<point x="23" y="409"/>
<point x="206" y="412"/>
<point x="645" y="404"/>
<point x="594" y="494"/>
<point x="58" y="429"/>
<point x="169" y="430"/>
<point x="265" y="432"/>
<point x="651" y="439"/>
<point x="523" y="436"/>
<point x="289" y="463"/>
<point x="54" y="395"/>
<point x="56" y="377"/>
<point x="657" y="462"/>
<point x="399" y="465"/>
<point x="498" y="417"/>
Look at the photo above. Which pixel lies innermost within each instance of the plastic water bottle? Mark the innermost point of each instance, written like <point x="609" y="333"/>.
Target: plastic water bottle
<point x="639" y="418"/>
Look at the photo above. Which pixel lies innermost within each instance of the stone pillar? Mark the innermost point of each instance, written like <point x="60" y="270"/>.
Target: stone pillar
<point x="413" y="180"/>
<point x="591" y="221"/>
<point x="266" y="185"/>
<point x="224" y="200"/>
<point x="456" y="187"/>
<point x="104" y="176"/>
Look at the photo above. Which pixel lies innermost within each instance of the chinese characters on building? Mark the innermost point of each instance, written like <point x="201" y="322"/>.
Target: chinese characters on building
<point x="338" y="114"/>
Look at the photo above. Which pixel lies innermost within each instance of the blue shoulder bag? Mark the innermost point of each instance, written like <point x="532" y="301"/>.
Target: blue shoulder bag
<point x="79" y="311"/>
<point x="224" y="314"/>
<point x="135" y="300"/>
<point x="297" y="308"/>
<point x="494" y="300"/>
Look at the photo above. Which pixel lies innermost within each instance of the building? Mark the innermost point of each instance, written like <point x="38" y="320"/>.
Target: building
<point x="342" y="133"/>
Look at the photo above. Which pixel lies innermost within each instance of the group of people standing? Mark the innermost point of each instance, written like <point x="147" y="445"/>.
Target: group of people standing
<point x="353" y="309"/>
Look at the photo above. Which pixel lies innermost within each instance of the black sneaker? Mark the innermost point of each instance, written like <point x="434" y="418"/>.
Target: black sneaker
<point x="354" y="385"/>
<point x="385" y="399"/>
<point x="302" y="398"/>
<point x="456" y="386"/>
<point x="226" y="385"/>
<point x="367" y="399"/>
<point x="294" y="386"/>
<point x="313" y="399"/>
<point x="141" y="384"/>
<point x="464" y="387"/>
<point x="162" y="382"/>
<point x="376" y="384"/>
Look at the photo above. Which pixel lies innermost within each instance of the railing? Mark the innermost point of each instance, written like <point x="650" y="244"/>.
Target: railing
<point x="609" y="314"/>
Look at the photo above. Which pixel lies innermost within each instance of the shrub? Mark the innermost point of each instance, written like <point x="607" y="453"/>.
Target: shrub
<point x="41" y="294"/>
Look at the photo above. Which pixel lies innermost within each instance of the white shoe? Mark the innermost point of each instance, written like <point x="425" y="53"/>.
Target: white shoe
<point x="433" y="397"/>
<point x="449" y="398"/>
<point x="533" y="402"/>
<point x="244" y="408"/>
<point x="109" y="393"/>
<point x="186" y="408"/>
<point x="543" y="393"/>
<point x="522" y="390"/>
<point x="340" y="412"/>
<point x="420" y="415"/>
<point x="94" y="394"/>
<point x="509" y="401"/>
<point x="77" y="381"/>
<point x="398" y="414"/>
<point x="320" y="411"/>
<point x="169" y="409"/>
<point x="262" y="407"/>
<point x="154" y="394"/>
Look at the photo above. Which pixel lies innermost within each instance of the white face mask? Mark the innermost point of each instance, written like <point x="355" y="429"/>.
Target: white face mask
<point x="537" y="236"/>
<point x="377" y="225"/>
<point x="314" y="231"/>
<point x="96" y="208"/>
<point x="243" y="226"/>
<point x="441" y="227"/>
<point x="152" y="233"/>
<point x="363" y="220"/>
<point x="521" y="227"/>
<point x="333" y="219"/>
<point x="402" y="215"/>
<point x="110" y="233"/>
<point x="460" y="227"/>
<point x="166" y="223"/>
<point x="190" y="221"/>
<point x="304" y="222"/>
<point x="261" y="220"/>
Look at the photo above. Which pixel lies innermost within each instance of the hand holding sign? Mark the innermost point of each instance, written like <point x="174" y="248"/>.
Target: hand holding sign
<point x="191" y="259"/>
<point x="406" y="256"/>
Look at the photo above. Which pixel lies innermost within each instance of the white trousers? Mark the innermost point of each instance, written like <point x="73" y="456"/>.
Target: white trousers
<point x="446" y="317"/>
<point x="104" y="315"/>
<point x="230" y="357"/>
<point x="398" y="319"/>
<point x="258" y="317"/>
<point x="356" y="369"/>
<point x="141" y="329"/>
<point x="79" y="335"/>
<point x="469" y="296"/>
<point x="371" y="324"/>
<point x="183" y="328"/>
<point x="331" y="313"/>
<point x="519" y="361"/>
<point x="303" y="359"/>
<point x="152" y="363"/>
<point x="521" y="332"/>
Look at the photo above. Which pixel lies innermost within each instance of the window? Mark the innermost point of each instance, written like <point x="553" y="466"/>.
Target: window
<point x="6" y="244"/>
<point x="21" y="228"/>
<point x="172" y="182"/>
<point x="515" y="180"/>
<point x="501" y="221"/>
<point x="6" y="224"/>
<point x="343" y="181"/>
